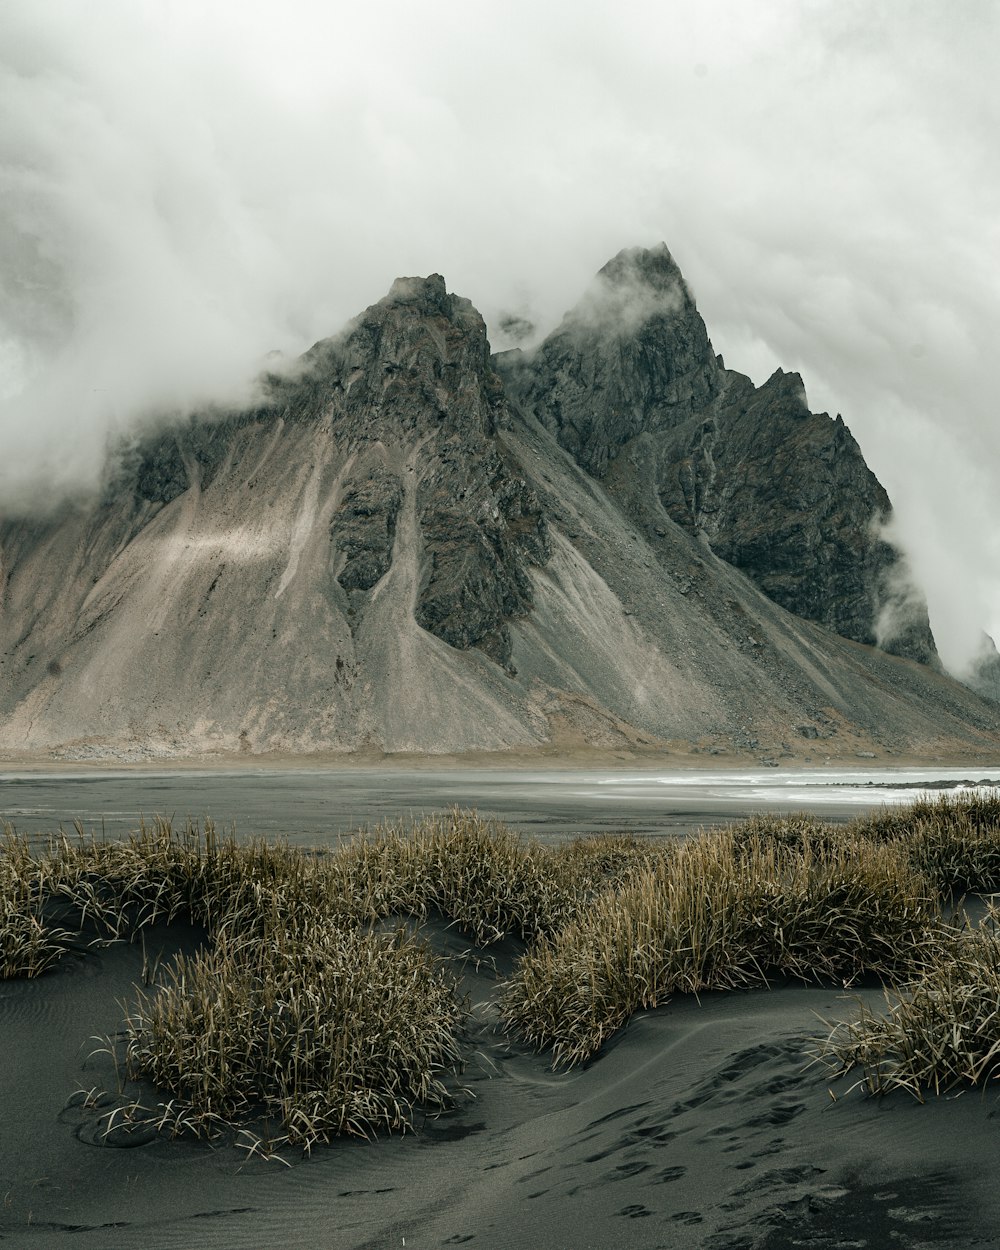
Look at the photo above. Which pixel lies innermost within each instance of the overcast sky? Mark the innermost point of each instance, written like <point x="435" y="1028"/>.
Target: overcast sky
<point x="185" y="186"/>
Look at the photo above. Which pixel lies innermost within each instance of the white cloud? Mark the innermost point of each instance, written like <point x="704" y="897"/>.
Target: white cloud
<point x="185" y="186"/>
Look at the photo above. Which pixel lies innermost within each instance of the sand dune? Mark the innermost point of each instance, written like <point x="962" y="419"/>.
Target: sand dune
<point x="700" y="1126"/>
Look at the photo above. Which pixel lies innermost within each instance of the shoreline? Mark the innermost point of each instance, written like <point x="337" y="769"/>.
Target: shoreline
<point x="316" y="801"/>
<point x="545" y="759"/>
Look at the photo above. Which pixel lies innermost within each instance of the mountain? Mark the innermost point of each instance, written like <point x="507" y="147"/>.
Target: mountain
<point x="629" y="384"/>
<point x="412" y="546"/>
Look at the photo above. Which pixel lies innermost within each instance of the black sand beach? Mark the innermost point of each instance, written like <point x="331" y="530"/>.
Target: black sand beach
<point x="700" y="1126"/>
<point x="703" y="1124"/>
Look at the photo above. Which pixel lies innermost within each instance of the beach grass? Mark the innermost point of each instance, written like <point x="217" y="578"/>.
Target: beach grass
<point x="939" y="1033"/>
<point x="725" y="911"/>
<point x="312" y="1010"/>
<point x="954" y="839"/>
<point x="29" y="943"/>
<point x="323" y="1030"/>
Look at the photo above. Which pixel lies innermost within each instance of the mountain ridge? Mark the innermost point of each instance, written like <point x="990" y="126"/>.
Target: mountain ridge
<point x="396" y="552"/>
<point x="750" y="468"/>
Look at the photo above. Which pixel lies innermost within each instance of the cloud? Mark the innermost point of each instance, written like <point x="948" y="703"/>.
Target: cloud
<point x="186" y="187"/>
<point x="632" y="289"/>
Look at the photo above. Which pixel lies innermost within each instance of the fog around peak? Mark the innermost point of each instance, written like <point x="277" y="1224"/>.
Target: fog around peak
<point x="185" y="188"/>
<point x="633" y="289"/>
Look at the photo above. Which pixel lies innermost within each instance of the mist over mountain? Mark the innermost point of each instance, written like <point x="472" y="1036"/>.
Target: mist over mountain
<point x="185" y="188"/>
<point x="410" y="545"/>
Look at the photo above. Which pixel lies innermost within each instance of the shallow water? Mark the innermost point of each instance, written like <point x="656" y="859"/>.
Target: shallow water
<point x="318" y="806"/>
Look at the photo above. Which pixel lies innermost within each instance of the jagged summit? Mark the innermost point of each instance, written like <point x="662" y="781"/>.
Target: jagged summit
<point x="789" y="383"/>
<point x="631" y="386"/>
<point x="411" y="389"/>
<point x="652" y="267"/>
<point x="429" y="292"/>
<point x="633" y="356"/>
<point x="638" y="292"/>
<point x="412" y="546"/>
<point x="430" y="297"/>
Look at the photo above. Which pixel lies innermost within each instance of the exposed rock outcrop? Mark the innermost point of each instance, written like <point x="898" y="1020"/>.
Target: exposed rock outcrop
<point x="364" y="527"/>
<point x="632" y="357"/>
<point x="418" y="364"/>
<point x="630" y="378"/>
<point x="412" y="374"/>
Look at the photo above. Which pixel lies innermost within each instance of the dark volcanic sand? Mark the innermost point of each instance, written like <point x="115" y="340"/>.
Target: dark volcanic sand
<point x="698" y="1127"/>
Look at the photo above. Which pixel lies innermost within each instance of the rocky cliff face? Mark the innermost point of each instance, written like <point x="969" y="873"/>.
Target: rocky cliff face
<point x="389" y="554"/>
<point x="408" y="388"/>
<point x="632" y="358"/>
<point x="779" y="492"/>
<point x="418" y="364"/>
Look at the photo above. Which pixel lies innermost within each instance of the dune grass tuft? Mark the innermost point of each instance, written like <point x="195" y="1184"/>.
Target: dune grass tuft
<point x="953" y="838"/>
<point x="30" y="943"/>
<point x="296" y="1010"/>
<point x="329" y="1031"/>
<point x="302" y="1009"/>
<point x="941" y="1030"/>
<point x="480" y="875"/>
<point x="948" y="809"/>
<point x="724" y="911"/>
<point x="940" y="1033"/>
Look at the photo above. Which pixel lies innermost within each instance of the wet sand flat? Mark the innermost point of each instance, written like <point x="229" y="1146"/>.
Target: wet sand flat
<point x="311" y="806"/>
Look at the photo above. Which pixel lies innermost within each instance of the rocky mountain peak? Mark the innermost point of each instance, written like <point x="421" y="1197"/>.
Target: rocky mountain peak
<point x="428" y="294"/>
<point x="653" y="267"/>
<point x="413" y="390"/>
<point x="637" y="293"/>
<point x="633" y="355"/>
<point x="422" y="344"/>
<point x="630" y="385"/>
<point x="785" y="385"/>
<point x="413" y="298"/>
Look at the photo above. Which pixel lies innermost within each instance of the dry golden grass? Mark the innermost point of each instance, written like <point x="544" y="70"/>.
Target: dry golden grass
<point x="296" y="1011"/>
<point x="954" y="838"/>
<point x="940" y="1033"/>
<point x="29" y="943"/>
<point x="722" y="912"/>
<point x="480" y="875"/>
<point x="947" y="810"/>
<point x="304" y="1011"/>
<point x="941" y="1030"/>
<point x="329" y="1031"/>
<point x="300" y="1010"/>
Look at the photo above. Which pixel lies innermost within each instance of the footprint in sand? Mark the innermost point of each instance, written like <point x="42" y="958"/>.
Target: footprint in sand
<point x="777" y="1115"/>
<point x="635" y="1212"/>
<point x="687" y="1217"/>
<point x="670" y="1174"/>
